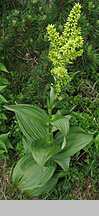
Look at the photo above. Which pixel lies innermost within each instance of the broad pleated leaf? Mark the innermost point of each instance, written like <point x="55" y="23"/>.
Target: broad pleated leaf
<point x="62" y="162"/>
<point x="77" y="139"/>
<point x="42" y="151"/>
<point x="26" y="145"/>
<point x="27" y="175"/>
<point x="33" y="121"/>
<point x="63" y="125"/>
<point x="45" y="188"/>
<point x="59" y="137"/>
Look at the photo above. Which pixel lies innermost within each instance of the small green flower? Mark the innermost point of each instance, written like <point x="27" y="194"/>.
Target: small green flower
<point x="16" y="12"/>
<point x="14" y="22"/>
<point x="29" y="17"/>
<point x="61" y="78"/>
<point x="65" y="48"/>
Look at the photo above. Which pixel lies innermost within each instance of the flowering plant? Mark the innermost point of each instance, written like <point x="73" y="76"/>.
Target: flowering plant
<point x="49" y="141"/>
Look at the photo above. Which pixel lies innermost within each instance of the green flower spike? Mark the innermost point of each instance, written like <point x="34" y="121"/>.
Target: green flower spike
<point x="65" y="48"/>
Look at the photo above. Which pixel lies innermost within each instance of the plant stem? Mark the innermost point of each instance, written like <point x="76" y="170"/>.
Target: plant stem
<point x="50" y="135"/>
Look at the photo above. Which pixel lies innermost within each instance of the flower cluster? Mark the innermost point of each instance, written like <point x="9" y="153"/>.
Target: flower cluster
<point x="61" y="77"/>
<point x="65" y="48"/>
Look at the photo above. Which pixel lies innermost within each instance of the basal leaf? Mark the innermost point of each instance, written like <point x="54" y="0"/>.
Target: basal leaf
<point x="26" y="145"/>
<point x="27" y="175"/>
<point x="45" y="188"/>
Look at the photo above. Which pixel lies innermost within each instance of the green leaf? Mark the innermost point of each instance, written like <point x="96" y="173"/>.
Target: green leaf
<point x="3" y="116"/>
<point x="77" y="139"/>
<point x="3" y="81"/>
<point x="4" y="142"/>
<point x="97" y="142"/>
<point x="27" y="175"/>
<point x="2" y="145"/>
<point x="59" y="137"/>
<point x="2" y="87"/>
<point x="3" y="137"/>
<point x="2" y="152"/>
<point x="2" y="99"/>
<point x="97" y="139"/>
<point x="63" y="125"/>
<point x="52" y="97"/>
<point x="33" y="121"/>
<point x="45" y="188"/>
<point x="62" y="162"/>
<point x="3" y="68"/>
<point x="26" y="145"/>
<point x="42" y="151"/>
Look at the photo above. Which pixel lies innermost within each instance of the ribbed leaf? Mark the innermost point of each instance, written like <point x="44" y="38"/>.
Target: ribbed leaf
<point x="42" y="151"/>
<point x="27" y="175"/>
<point x="62" y="162"/>
<point x="45" y="188"/>
<point x="32" y="120"/>
<point x="26" y="145"/>
<point x="59" y="137"/>
<point x="63" y="125"/>
<point x="77" y="139"/>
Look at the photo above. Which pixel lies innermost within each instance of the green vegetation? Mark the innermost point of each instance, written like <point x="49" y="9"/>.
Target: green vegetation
<point x="24" y="50"/>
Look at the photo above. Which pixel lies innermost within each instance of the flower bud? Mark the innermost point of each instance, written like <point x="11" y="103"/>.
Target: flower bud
<point x="14" y="22"/>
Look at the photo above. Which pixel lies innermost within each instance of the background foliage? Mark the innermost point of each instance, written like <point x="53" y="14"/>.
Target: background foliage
<point x="24" y="51"/>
